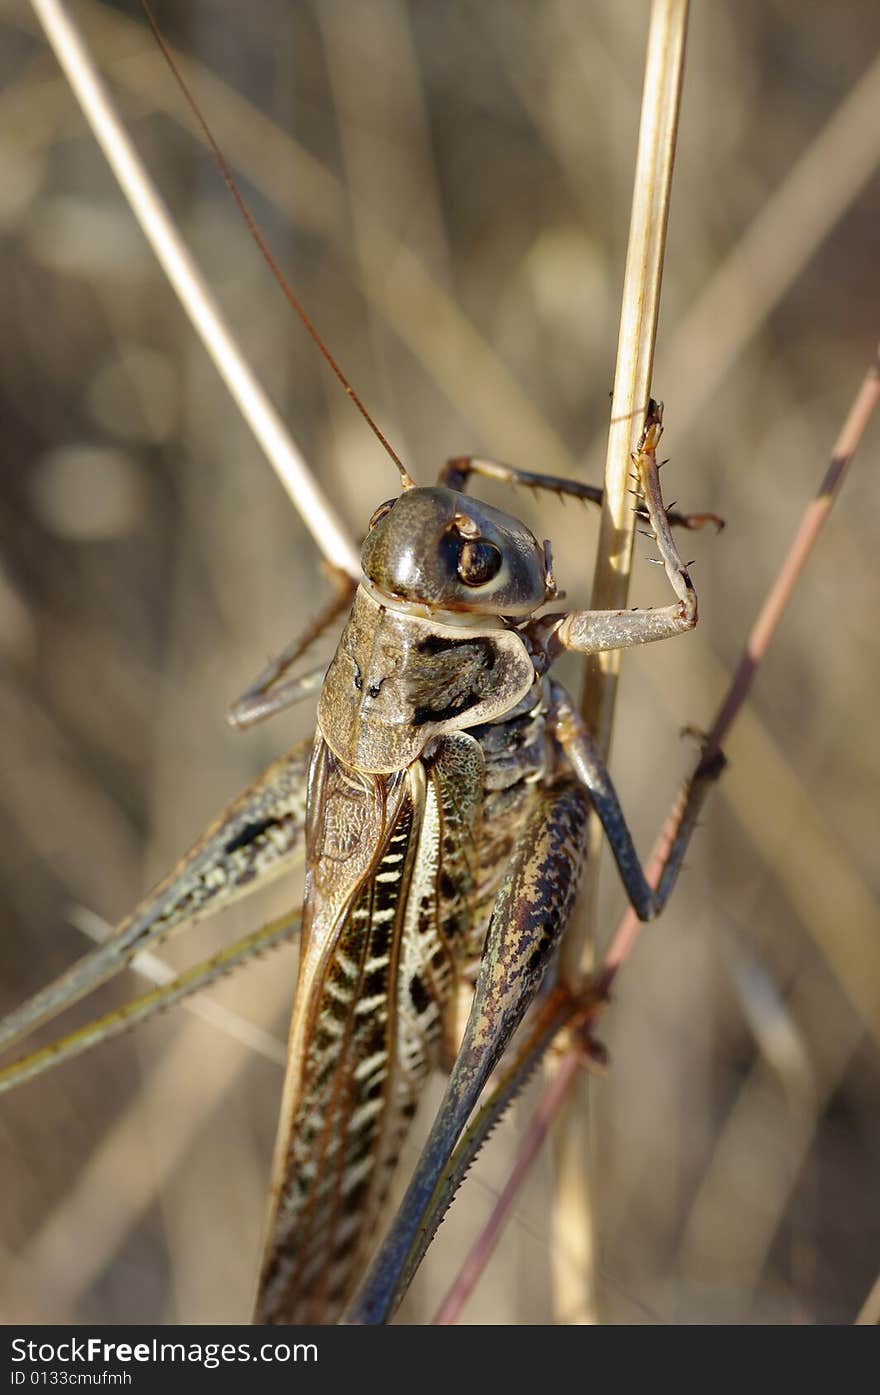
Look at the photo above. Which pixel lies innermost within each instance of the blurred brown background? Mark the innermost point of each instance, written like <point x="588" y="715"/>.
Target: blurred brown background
<point x="448" y="188"/>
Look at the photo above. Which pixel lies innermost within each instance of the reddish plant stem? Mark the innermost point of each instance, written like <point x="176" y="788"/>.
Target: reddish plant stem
<point x="478" y="1256"/>
<point x="757" y="644"/>
<point x="761" y="633"/>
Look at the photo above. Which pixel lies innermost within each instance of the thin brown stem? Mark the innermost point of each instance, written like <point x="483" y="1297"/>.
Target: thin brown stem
<point x="760" y="637"/>
<point x="764" y="629"/>
<point x="192" y="290"/>
<point x="478" y="1257"/>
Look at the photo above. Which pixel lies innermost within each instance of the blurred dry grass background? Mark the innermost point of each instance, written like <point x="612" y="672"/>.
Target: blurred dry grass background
<point x="448" y="187"/>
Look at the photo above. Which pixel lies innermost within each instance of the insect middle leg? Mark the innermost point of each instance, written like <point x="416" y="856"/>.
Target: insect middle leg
<point x="586" y="761"/>
<point x="592" y="631"/>
<point x="131" y="1014"/>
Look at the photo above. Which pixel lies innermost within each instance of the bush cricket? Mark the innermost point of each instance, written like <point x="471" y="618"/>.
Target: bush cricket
<point x="443" y="814"/>
<point x="438" y="713"/>
<point x="568" y="571"/>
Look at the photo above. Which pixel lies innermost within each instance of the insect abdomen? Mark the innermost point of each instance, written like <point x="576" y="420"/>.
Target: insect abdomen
<point x="336" y="1139"/>
<point x="377" y="1016"/>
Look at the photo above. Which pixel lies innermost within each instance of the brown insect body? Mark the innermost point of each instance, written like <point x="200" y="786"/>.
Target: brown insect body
<point x="413" y="679"/>
<point x="435" y="724"/>
<point x="444" y="825"/>
<point x="401" y="873"/>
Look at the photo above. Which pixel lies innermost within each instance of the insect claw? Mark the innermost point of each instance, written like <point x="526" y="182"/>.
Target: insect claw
<point x="592" y="1054"/>
<point x="694" y="733"/>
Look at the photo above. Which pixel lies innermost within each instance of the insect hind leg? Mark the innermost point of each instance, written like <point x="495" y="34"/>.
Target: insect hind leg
<point x="254" y="839"/>
<point x="168" y="992"/>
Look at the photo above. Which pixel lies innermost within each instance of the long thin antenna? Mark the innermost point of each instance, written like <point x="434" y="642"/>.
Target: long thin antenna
<point x="407" y="482"/>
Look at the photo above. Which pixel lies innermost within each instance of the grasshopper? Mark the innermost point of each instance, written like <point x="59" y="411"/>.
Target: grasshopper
<point x="442" y="809"/>
<point x="495" y="255"/>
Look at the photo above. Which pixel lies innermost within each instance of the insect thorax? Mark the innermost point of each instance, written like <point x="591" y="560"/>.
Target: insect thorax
<point x="398" y="679"/>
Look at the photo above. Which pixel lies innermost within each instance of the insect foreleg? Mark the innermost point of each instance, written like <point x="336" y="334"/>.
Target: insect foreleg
<point x="456" y="472"/>
<point x="256" y="837"/>
<point x="530" y="915"/>
<point x="593" y="631"/>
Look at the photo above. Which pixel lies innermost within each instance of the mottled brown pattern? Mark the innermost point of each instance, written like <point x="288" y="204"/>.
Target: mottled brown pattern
<point x="530" y="914"/>
<point x="373" y="1005"/>
<point x="397" y="680"/>
<point x="255" y="838"/>
<point x="429" y="847"/>
<point x="342" y="1117"/>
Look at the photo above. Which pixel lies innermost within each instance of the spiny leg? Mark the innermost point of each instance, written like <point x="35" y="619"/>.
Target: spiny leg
<point x="112" y="1024"/>
<point x="586" y="761"/>
<point x="505" y="987"/>
<point x="557" y="1011"/>
<point x="256" y="837"/>
<point x="262" y="698"/>
<point x="530" y="915"/>
<point x="592" y="631"/>
<point x="560" y="1009"/>
<point x="456" y="473"/>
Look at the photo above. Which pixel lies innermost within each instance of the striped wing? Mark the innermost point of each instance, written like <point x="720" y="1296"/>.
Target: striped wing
<point x="386" y="906"/>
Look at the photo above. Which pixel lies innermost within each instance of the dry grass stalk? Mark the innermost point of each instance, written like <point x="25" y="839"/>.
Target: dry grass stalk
<point x="565" y="1071"/>
<point x="192" y="290"/>
<point x="574" y="1225"/>
<point x="804" y="843"/>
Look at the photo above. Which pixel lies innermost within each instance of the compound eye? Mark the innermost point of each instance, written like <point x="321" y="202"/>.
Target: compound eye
<point x="382" y="511"/>
<point x="478" y="563"/>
